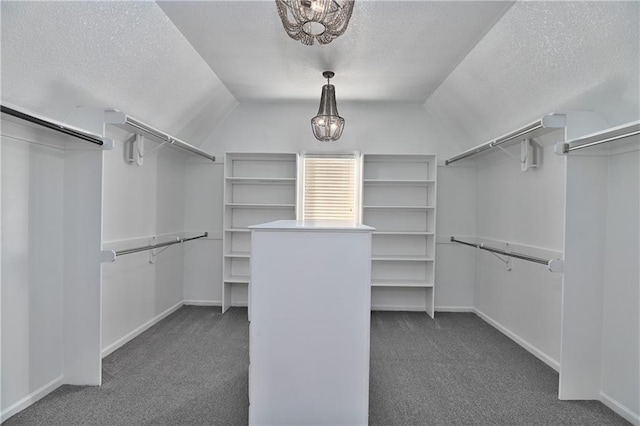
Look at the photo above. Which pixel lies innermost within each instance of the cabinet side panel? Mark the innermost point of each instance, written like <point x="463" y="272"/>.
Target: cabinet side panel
<point x="310" y="324"/>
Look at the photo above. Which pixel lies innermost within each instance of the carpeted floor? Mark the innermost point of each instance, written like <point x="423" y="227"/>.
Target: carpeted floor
<point x="191" y="368"/>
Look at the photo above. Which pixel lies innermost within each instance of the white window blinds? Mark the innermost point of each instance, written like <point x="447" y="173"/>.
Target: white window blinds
<point x="330" y="188"/>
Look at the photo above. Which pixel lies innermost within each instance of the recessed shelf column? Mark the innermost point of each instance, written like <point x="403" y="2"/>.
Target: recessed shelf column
<point x="258" y="188"/>
<point x="399" y="200"/>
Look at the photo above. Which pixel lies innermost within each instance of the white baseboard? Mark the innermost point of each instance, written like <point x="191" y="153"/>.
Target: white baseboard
<point x="624" y="412"/>
<point x="397" y="308"/>
<point x="513" y="336"/>
<point x="138" y="331"/>
<point x="454" y="309"/>
<point x="203" y="302"/>
<point x="32" y="398"/>
<point x="239" y="304"/>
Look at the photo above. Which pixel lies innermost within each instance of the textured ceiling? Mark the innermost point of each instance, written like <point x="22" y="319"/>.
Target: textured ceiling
<point x="485" y="67"/>
<point x="126" y="55"/>
<point x="544" y="57"/>
<point x="392" y="50"/>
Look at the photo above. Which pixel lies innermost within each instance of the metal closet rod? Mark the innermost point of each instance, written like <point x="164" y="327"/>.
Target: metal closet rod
<point x="155" y="246"/>
<point x="511" y="136"/>
<point x="481" y="246"/>
<point x="568" y="148"/>
<point x="53" y="125"/>
<point x="165" y="137"/>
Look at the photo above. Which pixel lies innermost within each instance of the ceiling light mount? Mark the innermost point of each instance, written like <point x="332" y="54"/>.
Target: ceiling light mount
<point x="328" y="75"/>
<point x="315" y="20"/>
<point x="327" y="125"/>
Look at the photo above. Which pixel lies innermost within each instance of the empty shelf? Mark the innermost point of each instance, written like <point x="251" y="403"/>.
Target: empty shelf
<point x="238" y="254"/>
<point x="261" y="181"/>
<point x="401" y="283"/>
<point x="407" y="208"/>
<point x="260" y="206"/>
<point x="239" y="279"/>
<point x="401" y="182"/>
<point x="401" y="258"/>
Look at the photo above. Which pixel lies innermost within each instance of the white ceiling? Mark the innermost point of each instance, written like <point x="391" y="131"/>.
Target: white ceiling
<point x="128" y="55"/>
<point x="397" y="51"/>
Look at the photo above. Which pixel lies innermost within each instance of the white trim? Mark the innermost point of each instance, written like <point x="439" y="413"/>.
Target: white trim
<point x="32" y="398"/>
<point x="398" y="308"/>
<point x="239" y="304"/>
<point x="454" y="309"/>
<point x="513" y="336"/>
<point x="138" y="331"/>
<point x="624" y="412"/>
<point x="203" y="302"/>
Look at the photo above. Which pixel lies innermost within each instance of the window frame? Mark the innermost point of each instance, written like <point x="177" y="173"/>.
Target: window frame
<point x="357" y="179"/>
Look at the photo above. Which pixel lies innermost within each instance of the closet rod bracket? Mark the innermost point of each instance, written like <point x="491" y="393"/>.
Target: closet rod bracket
<point x="107" y="256"/>
<point x="507" y="261"/>
<point x="156" y="251"/>
<point x="555" y="265"/>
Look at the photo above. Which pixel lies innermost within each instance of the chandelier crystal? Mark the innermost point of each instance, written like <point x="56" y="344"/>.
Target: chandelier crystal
<point x="315" y="20"/>
<point x="327" y="126"/>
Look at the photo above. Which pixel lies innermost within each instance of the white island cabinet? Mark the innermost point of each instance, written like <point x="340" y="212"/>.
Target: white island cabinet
<point x="310" y="296"/>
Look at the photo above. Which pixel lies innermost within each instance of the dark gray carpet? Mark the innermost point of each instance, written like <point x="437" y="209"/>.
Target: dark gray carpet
<point x="192" y="368"/>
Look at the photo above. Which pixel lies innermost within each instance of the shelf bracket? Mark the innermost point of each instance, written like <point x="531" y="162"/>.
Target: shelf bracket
<point x="528" y="155"/>
<point x="134" y="149"/>
<point x="505" y="151"/>
<point x="155" y="252"/>
<point x="507" y="261"/>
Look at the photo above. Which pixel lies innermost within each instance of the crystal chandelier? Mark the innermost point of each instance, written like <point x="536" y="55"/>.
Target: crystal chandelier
<point x="309" y="20"/>
<point x="327" y="125"/>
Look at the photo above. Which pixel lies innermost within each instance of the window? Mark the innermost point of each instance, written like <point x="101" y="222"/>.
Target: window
<point x="330" y="188"/>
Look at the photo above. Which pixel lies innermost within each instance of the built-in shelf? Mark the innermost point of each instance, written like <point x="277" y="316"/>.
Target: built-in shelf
<point x="260" y="206"/>
<point x="401" y="258"/>
<point x="411" y="208"/>
<point x="262" y="181"/>
<point x="624" y="132"/>
<point x="401" y="283"/>
<point x="237" y="279"/>
<point x="239" y="254"/>
<point x="399" y="197"/>
<point x="98" y="117"/>
<point x="258" y="188"/>
<point x="393" y="182"/>
<point x="546" y="124"/>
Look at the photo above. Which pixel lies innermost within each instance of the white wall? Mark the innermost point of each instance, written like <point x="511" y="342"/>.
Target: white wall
<point x="370" y="128"/>
<point x="51" y="226"/>
<point x="456" y="216"/>
<point x="141" y="202"/>
<point x="129" y="214"/>
<point x="32" y="265"/>
<point x="169" y="210"/>
<point x="601" y="288"/>
<point x="621" y="298"/>
<point x="527" y="209"/>
<point x="203" y="212"/>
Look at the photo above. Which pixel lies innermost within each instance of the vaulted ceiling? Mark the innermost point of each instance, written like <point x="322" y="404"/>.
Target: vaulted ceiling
<point x="392" y="50"/>
<point x="479" y="67"/>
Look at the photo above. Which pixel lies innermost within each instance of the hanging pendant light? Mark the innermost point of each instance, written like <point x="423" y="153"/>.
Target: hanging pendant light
<point x="327" y="125"/>
<point x="315" y="20"/>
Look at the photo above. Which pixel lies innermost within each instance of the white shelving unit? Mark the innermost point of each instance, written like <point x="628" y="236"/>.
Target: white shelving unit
<point x="399" y="201"/>
<point x="258" y="188"/>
